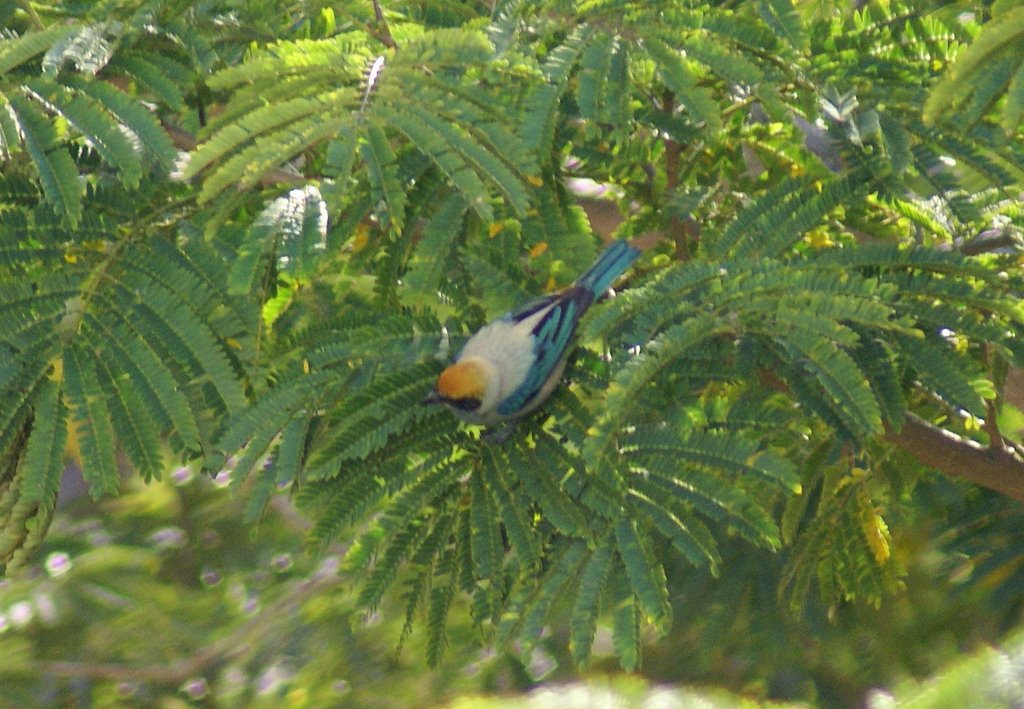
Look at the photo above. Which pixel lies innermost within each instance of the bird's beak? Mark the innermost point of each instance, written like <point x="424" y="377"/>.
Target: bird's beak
<point x="432" y="398"/>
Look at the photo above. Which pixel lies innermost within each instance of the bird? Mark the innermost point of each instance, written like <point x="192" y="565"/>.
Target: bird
<point x="511" y="366"/>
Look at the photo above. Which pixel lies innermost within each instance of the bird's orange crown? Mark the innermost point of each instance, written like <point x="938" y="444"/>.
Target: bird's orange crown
<point x="462" y="380"/>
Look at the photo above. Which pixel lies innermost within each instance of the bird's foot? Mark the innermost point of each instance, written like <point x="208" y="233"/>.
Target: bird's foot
<point x="499" y="435"/>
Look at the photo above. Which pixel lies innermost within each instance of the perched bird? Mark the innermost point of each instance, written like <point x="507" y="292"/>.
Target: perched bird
<point x="511" y="365"/>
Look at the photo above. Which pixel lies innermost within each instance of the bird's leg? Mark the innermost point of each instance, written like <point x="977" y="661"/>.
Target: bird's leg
<point x="499" y="435"/>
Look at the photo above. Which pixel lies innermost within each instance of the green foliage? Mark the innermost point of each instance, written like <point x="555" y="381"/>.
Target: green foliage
<point x="990" y="68"/>
<point x="364" y="194"/>
<point x="990" y="677"/>
<point x="123" y="342"/>
<point x="172" y="557"/>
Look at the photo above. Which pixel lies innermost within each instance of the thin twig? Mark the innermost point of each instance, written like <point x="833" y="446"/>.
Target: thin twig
<point x="33" y="16"/>
<point x="995" y="436"/>
<point x="673" y="150"/>
<point x="383" y="32"/>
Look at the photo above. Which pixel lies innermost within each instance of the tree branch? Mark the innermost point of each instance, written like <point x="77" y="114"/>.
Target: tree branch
<point x="673" y="151"/>
<point x="381" y="31"/>
<point x="997" y="468"/>
<point x="989" y="241"/>
<point x="33" y="16"/>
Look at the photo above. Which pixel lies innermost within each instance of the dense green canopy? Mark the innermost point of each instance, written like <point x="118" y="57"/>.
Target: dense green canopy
<point x="241" y="239"/>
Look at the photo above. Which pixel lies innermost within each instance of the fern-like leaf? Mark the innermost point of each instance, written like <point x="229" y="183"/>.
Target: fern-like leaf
<point x="161" y="75"/>
<point x="540" y="477"/>
<point x="539" y="116"/>
<point x="971" y="75"/>
<point x="937" y="367"/>
<point x="659" y="354"/>
<point x="433" y="137"/>
<point x="91" y="418"/>
<point x="98" y="128"/>
<point x="840" y="377"/>
<point x="86" y="47"/>
<point x="678" y="77"/>
<point x="44" y="452"/>
<point x="785" y="21"/>
<point x="592" y="581"/>
<point x="131" y="115"/>
<point x="433" y="252"/>
<point x="16" y="51"/>
<point x="626" y="620"/>
<point x="441" y="597"/>
<point x="528" y="611"/>
<point x="513" y="509"/>
<point x="380" y="161"/>
<point x="646" y="576"/>
<point x="690" y="537"/>
<point x="57" y="172"/>
<point x="364" y="422"/>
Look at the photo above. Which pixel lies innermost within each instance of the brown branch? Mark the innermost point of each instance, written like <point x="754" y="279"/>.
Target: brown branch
<point x="380" y="30"/>
<point x="33" y="16"/>
<point x="673" y="152"/>
<point x="988" y="241"/>
<point x="999" y="469"/>
<point x="995" y="436"/>
<point x="182" y="139"/>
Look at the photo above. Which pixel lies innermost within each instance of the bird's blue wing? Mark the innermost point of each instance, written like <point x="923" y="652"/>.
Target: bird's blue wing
<point x="554" y="331"/>
<point x="597" y="279"/>
<point x="552" y="334"/>
<point x="534" y="306"/>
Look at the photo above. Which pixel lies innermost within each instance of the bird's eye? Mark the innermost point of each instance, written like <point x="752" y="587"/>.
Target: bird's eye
<point x="466" y="404"/>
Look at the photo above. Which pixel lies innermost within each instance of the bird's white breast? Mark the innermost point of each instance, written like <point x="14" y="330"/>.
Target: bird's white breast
<point x="509" y="346"/>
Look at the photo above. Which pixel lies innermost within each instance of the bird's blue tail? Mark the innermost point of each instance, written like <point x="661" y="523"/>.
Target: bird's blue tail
<point x="610" y="265"/>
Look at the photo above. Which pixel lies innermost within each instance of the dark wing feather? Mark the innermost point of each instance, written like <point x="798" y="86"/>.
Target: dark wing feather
<point x="527" y="309"/>
<point x="553" y="334"/>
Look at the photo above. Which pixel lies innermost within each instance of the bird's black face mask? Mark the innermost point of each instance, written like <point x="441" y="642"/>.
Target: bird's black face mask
<point x="465" y="404"/>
